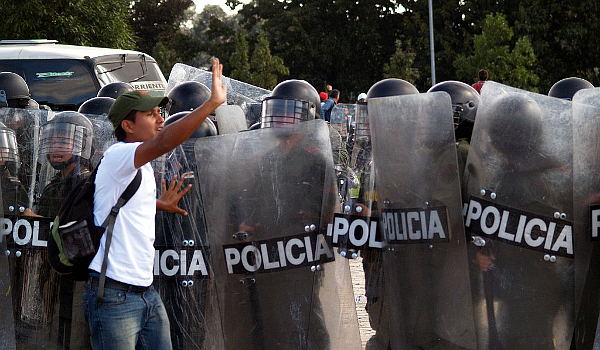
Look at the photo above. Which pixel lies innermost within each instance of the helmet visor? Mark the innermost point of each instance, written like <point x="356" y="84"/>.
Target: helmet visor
<point x="62" y="138"/>
<point x="281" y="113"/>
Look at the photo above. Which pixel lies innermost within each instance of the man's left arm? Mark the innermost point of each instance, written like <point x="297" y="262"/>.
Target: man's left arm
<point x="171" y="195"/>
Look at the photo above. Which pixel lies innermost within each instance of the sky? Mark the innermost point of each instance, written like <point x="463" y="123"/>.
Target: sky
<point x="201" y="3"/>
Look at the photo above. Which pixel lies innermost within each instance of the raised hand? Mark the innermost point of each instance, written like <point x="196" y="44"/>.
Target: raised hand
<point x="218" y="88"/>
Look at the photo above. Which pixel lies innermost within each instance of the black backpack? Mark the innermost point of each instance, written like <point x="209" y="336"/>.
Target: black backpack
<point x="75" y="238"/>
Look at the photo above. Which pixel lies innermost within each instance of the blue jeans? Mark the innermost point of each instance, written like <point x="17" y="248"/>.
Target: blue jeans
<point x="126" y="320"/>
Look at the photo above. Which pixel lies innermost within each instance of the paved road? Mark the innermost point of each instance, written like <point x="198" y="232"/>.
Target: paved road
<point x="358" y="284"/>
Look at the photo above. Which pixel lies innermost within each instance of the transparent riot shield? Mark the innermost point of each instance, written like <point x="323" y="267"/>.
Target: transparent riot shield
<point x="426" y="295"/>
<point x="519" y="216"/>
<point x="7" y="331"/>
<point x="341" y="117"/>
<point x="182" y="273"/>
<point x="586" y="205"/>
<point x="46" y="308"/>
<point x="238" y="93"/>
<point x="268" y="196"/>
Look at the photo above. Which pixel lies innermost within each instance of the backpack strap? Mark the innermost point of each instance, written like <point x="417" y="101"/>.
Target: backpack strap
<point x="109" y="224"/>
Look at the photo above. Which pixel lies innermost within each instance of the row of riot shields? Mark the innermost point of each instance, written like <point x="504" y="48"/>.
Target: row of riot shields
<point x="248" y="97"/>
<point x="249" y="268"/>
<point x="508" y="261"/>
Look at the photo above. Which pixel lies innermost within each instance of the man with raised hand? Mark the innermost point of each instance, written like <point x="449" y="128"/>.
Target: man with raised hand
<point x="130" y="314"/>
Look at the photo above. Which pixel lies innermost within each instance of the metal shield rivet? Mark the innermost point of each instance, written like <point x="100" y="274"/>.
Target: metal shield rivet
<point x="21" y="209"/>
<point x="11" y="208"/>
<point x="313" y="268"/>
<point x="358" y="209"/>
<point x="306" y="228"/>
<point x="186" y="243"/>
<point x="343" y="253"/>
<point x="190" y="283"/>
<point x="553" y="258"/>
<point x="18" y="253"/>
<point x="7" y="252"/>
<point x="493" y="195"/>
<point x="319" y="267"/>
<point x="313" y="227"/>
<point x="556" y="215"/>
<point x="184" y="283"/>
<point x="354" y="256"/>
<point x="482" y="192"/>
<point x="563" y="216"/>
<point x="547" y="257"/>
<point x="191" y="242"/>
<point x="347" y="208"/>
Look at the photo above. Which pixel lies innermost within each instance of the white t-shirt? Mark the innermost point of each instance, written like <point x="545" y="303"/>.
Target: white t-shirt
<point x="131" y="253"/>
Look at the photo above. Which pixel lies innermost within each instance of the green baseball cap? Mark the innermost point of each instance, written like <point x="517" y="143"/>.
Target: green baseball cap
<point x="133" y="101"/>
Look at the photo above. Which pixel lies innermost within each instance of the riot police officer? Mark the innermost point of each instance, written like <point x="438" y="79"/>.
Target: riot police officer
<point x="465" y="101"/>
<point x="15" y="91"/>
<point x="366" y="205"/>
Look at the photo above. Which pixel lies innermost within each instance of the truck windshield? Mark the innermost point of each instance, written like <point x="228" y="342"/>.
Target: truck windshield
<point x="62" y="84"/>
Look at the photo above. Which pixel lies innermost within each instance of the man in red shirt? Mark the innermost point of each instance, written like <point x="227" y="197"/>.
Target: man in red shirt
<point x="483" y="77"/>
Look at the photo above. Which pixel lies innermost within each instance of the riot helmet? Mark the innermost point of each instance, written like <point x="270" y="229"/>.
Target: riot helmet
<point x="465" y="100"/>
<point x="15" y="89"/>
<point x="9" y="153"/>
<point x="515" y="114"/>
<point x="97" y="106"/>
<point x="383" y="88"/>
<point x="391" y="87"/>
<point x="207" y="128"/>
<point x="291" y="102"/>
<point x="115" y="89"/>
<point x="566" y="88"/>
<point x="66" y="139"/>
<point x="187" y="97"/>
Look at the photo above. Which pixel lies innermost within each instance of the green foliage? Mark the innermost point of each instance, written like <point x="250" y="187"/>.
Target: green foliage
<point x="239" y="62"/>
<point x="102" y="23"/>
<point x="492" y="51"/>
<point x="215" y="32"/>
<point x="265" y="68"/>
<point x="344" y="43"/>
<point x="401" y="63"/>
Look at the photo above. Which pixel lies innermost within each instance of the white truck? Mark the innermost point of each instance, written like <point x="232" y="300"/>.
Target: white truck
<point x="64" y="76"/>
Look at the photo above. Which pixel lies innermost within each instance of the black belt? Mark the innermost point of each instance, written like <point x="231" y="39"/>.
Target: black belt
<point x="112" y="284"/>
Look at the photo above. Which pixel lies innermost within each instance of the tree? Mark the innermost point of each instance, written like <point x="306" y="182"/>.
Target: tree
<point x="216" y="35"/>
<point x="265" y="68"/>
<point x="492" y="51"/>
<point x="239" y="62"/>
<point x="101" y="23"/>
<point x="345" y="42"/>
<point x="156" y="21"/>
<point x="400" y="64"/>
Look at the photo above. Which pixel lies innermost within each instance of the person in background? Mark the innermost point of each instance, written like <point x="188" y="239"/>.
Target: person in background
<point x="328" y="105"/>
<point x="483" y="77"/>
<point x="362" y="97"/>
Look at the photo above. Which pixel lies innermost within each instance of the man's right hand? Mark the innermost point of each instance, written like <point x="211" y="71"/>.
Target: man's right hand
<point x="218" y="90"/>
